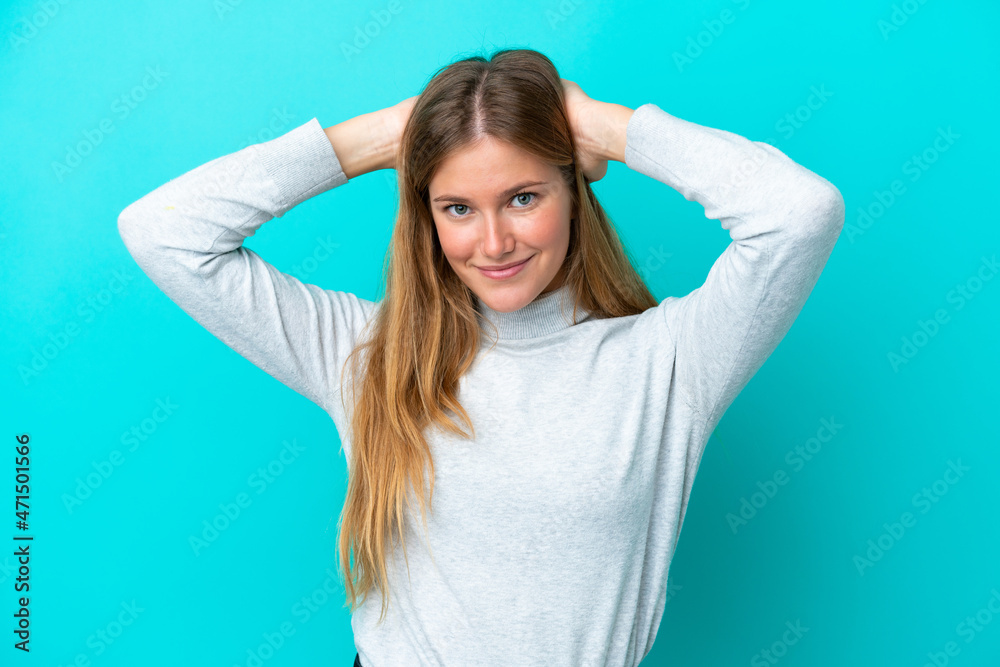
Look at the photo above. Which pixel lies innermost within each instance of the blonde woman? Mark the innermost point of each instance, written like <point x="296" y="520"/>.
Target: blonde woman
<point x="517" y="360"/>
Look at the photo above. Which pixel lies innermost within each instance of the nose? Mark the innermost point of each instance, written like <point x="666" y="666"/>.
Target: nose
<point x="497" y="238"/>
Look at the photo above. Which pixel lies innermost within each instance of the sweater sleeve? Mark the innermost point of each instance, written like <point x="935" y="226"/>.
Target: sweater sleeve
<point x="187" y="236"/>
<point x="783" y="221"/>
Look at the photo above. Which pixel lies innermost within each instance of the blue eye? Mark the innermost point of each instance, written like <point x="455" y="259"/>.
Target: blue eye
<point x="524" y="194"/>
<point x="517" y="197"/>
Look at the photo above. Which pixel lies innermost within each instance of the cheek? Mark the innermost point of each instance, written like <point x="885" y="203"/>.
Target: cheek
<point x="456" y="242"/>
<point x="550" y="228"/>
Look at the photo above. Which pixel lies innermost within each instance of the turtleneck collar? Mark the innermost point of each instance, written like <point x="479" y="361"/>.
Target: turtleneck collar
<point x="547" y="314"/>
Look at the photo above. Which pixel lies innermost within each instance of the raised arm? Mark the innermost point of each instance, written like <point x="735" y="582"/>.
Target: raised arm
<point x="783" y="220"/>
<point x="187" y="236"/>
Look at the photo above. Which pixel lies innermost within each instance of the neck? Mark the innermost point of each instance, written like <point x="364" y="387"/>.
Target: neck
<point x="547" y="314"/>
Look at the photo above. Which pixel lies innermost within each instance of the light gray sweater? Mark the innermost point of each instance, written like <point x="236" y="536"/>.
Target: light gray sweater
<point x="551" y="534"/>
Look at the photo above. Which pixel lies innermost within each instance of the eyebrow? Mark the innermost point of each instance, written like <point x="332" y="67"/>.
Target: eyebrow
<point x="509" y="192"/>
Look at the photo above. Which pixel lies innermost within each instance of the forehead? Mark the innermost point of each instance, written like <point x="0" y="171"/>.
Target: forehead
<point x="488" y="166"/>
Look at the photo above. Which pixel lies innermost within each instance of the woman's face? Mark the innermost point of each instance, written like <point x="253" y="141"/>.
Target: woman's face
<point x="494" y="204"/>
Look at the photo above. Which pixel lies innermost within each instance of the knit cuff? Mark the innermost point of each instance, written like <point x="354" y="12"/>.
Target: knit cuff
<point x="302" y="164"/>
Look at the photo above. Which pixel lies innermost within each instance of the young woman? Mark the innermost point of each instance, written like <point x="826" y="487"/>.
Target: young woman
<point x="512" y="307"/>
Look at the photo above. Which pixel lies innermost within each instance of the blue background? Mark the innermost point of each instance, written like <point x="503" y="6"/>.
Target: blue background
<point x="107" y="345"/>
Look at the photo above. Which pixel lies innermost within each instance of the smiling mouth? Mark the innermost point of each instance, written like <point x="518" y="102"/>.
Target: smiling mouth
<point x="503" y="266"/>
<point x="508" y="272"/>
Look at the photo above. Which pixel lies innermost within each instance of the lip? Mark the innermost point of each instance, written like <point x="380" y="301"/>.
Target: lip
<point x="501" y="274"/>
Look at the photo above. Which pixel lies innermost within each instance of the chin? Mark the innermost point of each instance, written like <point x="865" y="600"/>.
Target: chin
<point x="508" y="298"/>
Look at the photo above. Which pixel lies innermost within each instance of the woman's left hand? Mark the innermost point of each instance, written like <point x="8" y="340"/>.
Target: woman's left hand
<point x="598" y="130"/>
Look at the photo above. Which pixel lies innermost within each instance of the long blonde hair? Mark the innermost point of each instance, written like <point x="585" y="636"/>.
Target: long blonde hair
<point x="425" y="333"/>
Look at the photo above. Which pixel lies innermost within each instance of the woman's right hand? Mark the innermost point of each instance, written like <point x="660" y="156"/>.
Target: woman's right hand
<point x="370" y="141"/>
<point x="394" y="120"/>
